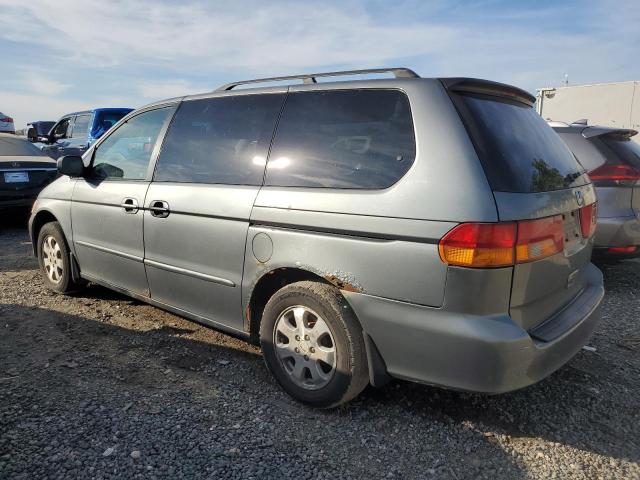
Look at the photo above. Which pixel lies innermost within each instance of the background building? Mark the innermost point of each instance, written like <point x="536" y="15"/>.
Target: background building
<point x="608" y="104"/>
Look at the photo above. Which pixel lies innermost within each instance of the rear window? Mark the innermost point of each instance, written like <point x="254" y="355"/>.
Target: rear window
<point x="518" y="150"/>
<point x="11" y="146"/>
<point x="619" y="150"/>
<point x="342" y="139"/>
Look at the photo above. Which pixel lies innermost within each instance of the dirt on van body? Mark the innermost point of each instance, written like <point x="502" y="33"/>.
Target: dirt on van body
<point x="98" y="385"/>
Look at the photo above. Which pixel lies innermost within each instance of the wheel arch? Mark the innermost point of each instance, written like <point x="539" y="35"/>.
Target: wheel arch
<point x="39" y="220"/>
<point x="263" y="289"/>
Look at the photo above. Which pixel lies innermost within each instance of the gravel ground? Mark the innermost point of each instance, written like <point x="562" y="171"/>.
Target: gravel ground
<point x="101" y="386"/>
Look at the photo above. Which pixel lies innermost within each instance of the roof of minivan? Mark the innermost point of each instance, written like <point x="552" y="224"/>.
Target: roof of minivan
<point x="456" y="84"/>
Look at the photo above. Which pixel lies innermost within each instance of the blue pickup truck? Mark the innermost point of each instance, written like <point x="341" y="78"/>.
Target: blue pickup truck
<point x="75" y="132"/>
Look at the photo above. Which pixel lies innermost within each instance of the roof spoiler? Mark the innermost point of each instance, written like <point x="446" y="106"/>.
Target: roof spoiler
<point x="486" y="87"/>
<point x="595" y="131"/>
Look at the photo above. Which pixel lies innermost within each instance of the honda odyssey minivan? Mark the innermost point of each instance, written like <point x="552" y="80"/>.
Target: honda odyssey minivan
<point x="433" y="230"/>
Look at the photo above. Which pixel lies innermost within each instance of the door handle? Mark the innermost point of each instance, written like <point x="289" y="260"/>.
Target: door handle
<point x="130" y="205"/>
<point x="159" y="208"/>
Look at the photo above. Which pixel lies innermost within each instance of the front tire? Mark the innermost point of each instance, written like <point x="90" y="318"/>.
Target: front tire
<point x="54" y="260"/>
<point x="313" y="344"/>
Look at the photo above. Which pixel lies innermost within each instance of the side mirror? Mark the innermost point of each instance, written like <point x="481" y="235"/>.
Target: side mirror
<point x="71" y="165"/>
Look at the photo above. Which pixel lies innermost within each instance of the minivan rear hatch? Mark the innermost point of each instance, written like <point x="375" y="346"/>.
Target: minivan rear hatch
<point x="533" y="175"/>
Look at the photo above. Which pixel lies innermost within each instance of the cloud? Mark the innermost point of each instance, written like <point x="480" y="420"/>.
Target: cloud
<point x="42" y="84"/>
<point x="31" y="107"/>
<point x="143" y="50"/>
<point x="169" y="88"/>
<point x="247" y="36"/>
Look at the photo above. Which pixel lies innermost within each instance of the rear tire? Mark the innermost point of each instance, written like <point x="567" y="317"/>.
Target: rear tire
<point x="54" y="259"/>
<point x="313" y="344"/>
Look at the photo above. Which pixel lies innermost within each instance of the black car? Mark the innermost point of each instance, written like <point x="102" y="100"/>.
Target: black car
<point x="39" y="131"/>
<point x="24" y="171"/>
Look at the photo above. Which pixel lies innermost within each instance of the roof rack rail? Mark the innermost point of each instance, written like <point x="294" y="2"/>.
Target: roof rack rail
<point x="399" y="72"/>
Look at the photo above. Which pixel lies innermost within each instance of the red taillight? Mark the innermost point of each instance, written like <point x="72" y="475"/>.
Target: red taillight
<point x="479" y="245"/>
<point x="588" y="220"/>
<point x="630" y="249"/>
<point x="620" y="173"/>
<point x="539" y="238"/>
<point x="483" y="245"/>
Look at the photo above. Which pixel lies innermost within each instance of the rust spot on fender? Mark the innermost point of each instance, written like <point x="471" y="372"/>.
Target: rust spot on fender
<point x="343" y="284"/>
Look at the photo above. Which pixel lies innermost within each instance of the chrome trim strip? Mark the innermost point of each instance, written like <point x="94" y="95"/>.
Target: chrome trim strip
<point x="190" y="273"/>
<point x="128" y="256"/>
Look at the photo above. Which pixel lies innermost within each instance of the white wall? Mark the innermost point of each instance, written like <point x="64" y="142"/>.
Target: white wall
<point x="608" y="104"/>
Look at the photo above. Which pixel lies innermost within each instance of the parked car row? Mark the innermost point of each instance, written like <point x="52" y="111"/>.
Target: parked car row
<point x="24" y="172"/>
<point x="26" y="167"/>
<point x="430" y="229"/>
<point x="74" y="133"/>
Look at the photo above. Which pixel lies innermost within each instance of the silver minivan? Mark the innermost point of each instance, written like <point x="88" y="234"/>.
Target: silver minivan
<point x="613" y="161"/>
<point x="433" y="230"/>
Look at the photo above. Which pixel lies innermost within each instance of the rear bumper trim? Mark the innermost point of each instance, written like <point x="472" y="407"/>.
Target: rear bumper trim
<point x="569" y="317"/>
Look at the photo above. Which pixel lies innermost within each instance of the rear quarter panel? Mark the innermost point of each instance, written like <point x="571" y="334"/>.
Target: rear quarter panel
<point x="380" y="242"/>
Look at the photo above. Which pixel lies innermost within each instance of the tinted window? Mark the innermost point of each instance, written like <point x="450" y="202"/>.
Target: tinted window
<point x="105" y="119"/>
<point x="518" y="150"/>
<point x="619" y="150"/>
<point x="81" y="126"/>
<point x="126" y="152"/>
<point x="60" y="130"/>
<point x="219" y="140"/>
<point x="42" y="128"/>
<point x="342" y="139"/>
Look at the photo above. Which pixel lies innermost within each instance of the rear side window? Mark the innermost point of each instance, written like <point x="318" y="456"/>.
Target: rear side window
<point x="81" y="126"/>
<point x="518" y="150"/>
<point x="619" y="150"/>
<point x="342" y="139"/>
<point x="219" y="140"/>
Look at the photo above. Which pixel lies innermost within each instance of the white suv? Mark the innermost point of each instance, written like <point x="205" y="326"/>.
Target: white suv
<point x="6" y="124"/>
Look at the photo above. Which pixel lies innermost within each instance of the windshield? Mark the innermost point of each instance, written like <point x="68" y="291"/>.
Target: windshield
<point x="518" y="150"/>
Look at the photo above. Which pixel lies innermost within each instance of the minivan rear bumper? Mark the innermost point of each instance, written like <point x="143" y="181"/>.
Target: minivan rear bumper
<point x="481" y="353"/>
<point x="617" y="232"/>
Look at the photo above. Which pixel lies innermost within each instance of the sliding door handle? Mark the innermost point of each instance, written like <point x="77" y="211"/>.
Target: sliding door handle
<point x="159" y="208"/>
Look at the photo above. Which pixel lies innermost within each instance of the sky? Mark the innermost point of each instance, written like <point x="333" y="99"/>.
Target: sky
<point x="62" y="56"/>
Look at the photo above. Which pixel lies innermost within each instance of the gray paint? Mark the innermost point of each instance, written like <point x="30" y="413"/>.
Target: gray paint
<point x="431" y="323"/>
<point x="204" y="234"/>
<point x="618" y="206"/>
<point x="101" y="225"/>
<point x="410" y="271"/>
<point x="483" y="353"/>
